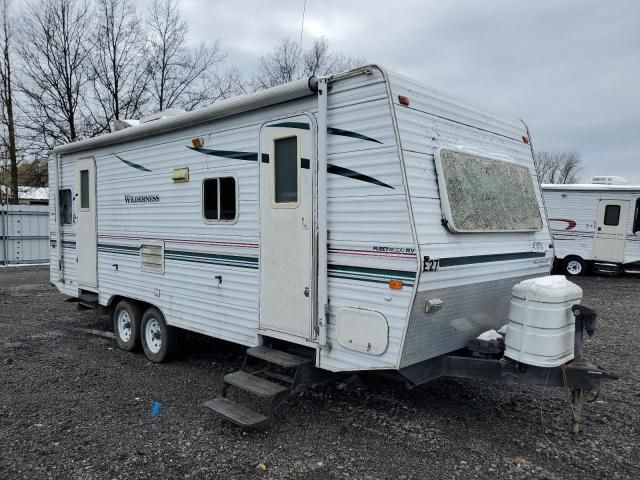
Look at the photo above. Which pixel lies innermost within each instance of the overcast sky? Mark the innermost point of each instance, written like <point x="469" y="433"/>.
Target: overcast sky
<point x="570" y="69"/>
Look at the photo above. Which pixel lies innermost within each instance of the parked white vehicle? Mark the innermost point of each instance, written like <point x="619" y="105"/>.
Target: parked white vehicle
<point x="595" y="226"/>
<point x="370" y="221"/>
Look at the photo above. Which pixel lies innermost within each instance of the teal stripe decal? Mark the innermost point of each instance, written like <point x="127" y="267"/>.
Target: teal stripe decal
<point x="121" y="249"/>
<point x="131" y="164"/>
<point x="212" y="258"/>
<point x="376" y="275"/>
<point x="330" y="130"/>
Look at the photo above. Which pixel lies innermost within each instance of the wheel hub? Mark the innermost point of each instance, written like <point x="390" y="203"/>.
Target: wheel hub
<point x="124" y="326"/>
<point x="153" y="335"/>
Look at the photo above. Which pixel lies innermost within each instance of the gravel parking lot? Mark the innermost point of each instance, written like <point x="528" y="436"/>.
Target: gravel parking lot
<point x="72" y="406"/>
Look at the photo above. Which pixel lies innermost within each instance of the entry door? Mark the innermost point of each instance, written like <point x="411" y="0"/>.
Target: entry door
<point x="611" y="225"/>
<point x="287" y="288"/>
<point x="85" y="218"/>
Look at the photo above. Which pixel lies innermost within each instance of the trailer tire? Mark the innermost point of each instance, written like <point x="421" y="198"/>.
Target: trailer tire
<point x="159" y="340"/>
<point x="574" y="266"/>
<point x="126" y="325"/>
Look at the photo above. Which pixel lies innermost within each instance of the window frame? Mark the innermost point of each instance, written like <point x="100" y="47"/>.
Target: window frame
<point x="80" y="196"/>
<point x="60" y="205"/>
<point x="636" y="217"/>
<point x="444" y="194"/>
<point x="604" y="215"/>
<point x="214" y="221"/>
<point x="272" y="171"/>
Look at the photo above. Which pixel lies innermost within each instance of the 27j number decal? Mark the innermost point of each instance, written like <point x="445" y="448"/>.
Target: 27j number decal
<point x="430" y="264"/>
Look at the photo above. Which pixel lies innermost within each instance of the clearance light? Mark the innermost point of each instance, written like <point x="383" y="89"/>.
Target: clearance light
<point x="395" y="284"/>
<point x="197" y="142"/>
<point x="403" y="100"/>
<point x="525" y="139"/>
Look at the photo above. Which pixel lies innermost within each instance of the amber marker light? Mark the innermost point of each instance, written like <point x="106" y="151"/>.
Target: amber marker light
<point x="395" y="284"/>
<point x="197" y="142"/>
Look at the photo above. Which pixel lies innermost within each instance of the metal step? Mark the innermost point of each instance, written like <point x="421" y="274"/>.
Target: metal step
<point x="278" y="357"/>
<point x="238" y="414"/>
<point x="256" y="385"/>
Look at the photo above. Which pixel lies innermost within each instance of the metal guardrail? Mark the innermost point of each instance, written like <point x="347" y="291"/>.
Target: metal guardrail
<point x="24" y="234"/>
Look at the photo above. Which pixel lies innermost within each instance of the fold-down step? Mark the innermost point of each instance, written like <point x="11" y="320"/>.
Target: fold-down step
<point x="278" y="357"/>
<point x="256" y="385"/>
<point x="238" y="414"/>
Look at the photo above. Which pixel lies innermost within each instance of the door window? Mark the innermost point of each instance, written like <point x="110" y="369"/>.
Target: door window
<point x="84" y="189"/>
<point x="636" y="217"/>
<point x="612" y="215"/>
<point x="286" y="170"/>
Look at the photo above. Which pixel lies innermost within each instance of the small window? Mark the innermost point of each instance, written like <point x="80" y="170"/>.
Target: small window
<point x="636" y="217"/>
<point x="66" y="209"/>
<point x="286" y="170"/>
<point x="84" y="189"/>
<point x="612" y="215"/>
<point x="219" y="198"/>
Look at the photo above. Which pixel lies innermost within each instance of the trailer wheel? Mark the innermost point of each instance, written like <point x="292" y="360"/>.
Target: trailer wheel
<point x="574" y="266"/>
<point x="126" y="325"/>
<point x="158" y="339"/>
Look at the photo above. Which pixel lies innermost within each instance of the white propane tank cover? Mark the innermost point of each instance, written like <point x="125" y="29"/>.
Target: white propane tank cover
<point x="541" y="324"/>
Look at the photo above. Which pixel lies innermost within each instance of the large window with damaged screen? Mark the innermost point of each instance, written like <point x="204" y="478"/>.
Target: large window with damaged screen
<point x="483" y="194"/>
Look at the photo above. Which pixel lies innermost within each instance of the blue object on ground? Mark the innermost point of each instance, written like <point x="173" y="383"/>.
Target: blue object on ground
<point x="155" y="408"/>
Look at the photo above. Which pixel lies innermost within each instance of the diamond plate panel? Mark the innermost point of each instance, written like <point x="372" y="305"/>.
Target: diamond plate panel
<point x="468" y="310"/>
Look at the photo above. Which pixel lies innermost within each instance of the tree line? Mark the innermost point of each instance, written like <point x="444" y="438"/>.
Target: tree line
<point x="70" y="68"/>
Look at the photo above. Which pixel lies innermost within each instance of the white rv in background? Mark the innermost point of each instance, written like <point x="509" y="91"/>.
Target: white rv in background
<point x="365" y="218"/>
<point x="594" y="226"/>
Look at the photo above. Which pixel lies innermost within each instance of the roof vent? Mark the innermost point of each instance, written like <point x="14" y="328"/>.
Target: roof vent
<point x="169" y="112"/>
<point x="609" y="180"/>
<point x="122" y="124"/>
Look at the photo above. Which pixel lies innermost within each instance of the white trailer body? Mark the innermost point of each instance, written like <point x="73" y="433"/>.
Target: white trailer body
<point x="216" y="218"/>
<point x="595" y="225"/>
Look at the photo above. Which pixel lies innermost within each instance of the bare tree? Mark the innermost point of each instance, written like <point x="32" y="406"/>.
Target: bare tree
<point x="119" y="73"/>
<point x="7" y="98"/>
<point x="55" y="45"/>
<point x="560" y="167"/>
<point x="181" y="76"/>
<point x="288" y="62"/>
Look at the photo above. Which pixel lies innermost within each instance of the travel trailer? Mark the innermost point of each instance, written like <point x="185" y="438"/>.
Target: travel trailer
<point x="361" y="221"/>
<point x="595" y="227"/>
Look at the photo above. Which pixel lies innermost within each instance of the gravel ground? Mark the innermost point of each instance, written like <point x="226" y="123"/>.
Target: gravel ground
<point x="72" y="406"/>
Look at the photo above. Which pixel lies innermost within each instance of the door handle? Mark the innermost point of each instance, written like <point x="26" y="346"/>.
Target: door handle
<point x="599" y="229"/>
<point x="306" y="292"/>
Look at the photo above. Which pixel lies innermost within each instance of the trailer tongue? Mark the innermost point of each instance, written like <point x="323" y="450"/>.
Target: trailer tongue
<point x="488" y="363"/>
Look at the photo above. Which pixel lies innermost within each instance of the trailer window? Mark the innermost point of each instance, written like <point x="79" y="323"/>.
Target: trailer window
<point x="66" y="209"/>
<point x="482" y="194"/>
<point x="84" y="189"/>
<point x="219" y="198"/>
<point x="636" y="217"/>
<point x="285" y="170"/>
<point x="612" y="215"/>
